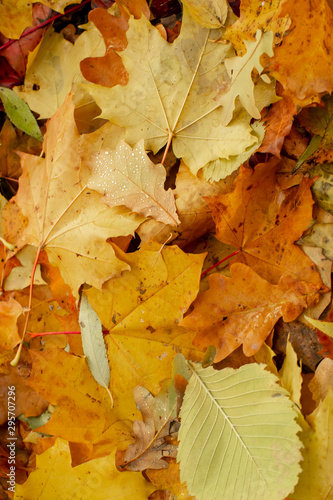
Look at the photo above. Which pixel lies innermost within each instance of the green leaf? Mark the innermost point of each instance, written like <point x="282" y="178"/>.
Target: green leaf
<point x="238" y="435"/>
<point x="19" y="113"/>
<point x="323" y="326"/>
<point x="93" y="344"/>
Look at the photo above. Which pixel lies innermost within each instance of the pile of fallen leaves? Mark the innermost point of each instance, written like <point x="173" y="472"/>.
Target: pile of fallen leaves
<point x="166" y="252"/>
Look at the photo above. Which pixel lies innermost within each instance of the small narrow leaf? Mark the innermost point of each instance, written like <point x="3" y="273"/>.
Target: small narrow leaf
<point x="93" y="344"/>
<point x="19" y="113"/>
<point x="323" y="326"/>
<point x="238" y="435"/>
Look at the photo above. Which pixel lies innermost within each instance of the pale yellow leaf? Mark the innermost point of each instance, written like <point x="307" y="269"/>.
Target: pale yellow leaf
<point x="208" y="13"/>
<point x="185" y="92"/>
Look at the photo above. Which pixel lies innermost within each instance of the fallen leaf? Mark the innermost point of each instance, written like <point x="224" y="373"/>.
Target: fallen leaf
<point x="322" y="380"/>
<point x="303" y="339"/>
<point x="64" y="380"/>
<point x="93" y="345"/>
<point x="210" y="14"/>
<point x="194" y="213"/>
<point x="227" y="418"/>
<point x="323" y="187"/>
<point x="323" y="326"/>
<point x="291" y="375"/>
<point x="19" y="113"/>
<point x="27" y="401"/>
<point x="109" y="69"/>
<point x="244" y="308"/>
<point x="53" y="67"/>
<point x="10" y="310"/>
<point x="254" y="15"/>
<point x="73" y="227"/>
<point x="159" y="421"/>
<point x="315" y="480"/>
<point x="20" y="277"/>
<point x="15" y="17"/>
<point x="126" y="176"/>
<point x="160" y="102"/>
<point x="278" y="122"/>
<point x="256" y="217"/>
<point x="169" y="479"/>
<point x="97" y="479"/>
<point x="155" y="293"/>
<point x="319" y="121"/>
<point x="305" y="79"/>
<point x="321" y="235"/>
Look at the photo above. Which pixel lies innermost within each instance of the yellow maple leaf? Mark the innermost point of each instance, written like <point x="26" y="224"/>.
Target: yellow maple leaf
<point x="65" y="217"/>
<point x="98" y="479"/>
<point x="185" y="92"/>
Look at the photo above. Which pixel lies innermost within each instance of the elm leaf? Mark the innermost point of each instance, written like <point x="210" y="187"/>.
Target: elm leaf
<point x="238" y="435"/>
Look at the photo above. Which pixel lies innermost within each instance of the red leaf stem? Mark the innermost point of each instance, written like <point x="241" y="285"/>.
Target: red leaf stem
<point x="220" y="262"/>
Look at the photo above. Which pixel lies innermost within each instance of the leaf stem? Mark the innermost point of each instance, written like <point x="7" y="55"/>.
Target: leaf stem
<point x="68" y="332"/>
<point x="32" y="278"/>
<point x="220" y="262"/>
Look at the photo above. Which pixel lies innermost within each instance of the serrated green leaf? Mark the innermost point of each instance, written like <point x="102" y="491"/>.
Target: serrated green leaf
<point x="19" y="113"/>
<point x="238" y="435"/>
<point x="93" y="344"/>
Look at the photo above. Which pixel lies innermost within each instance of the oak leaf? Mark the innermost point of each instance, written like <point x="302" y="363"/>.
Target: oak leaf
<point x="176" y="91"/>
<point x="109" y="69"/>
<point x="65" y="217"/>
<point x="159" y="421"/>
<point x="305" y="79"/>
<point x="244" y="308"/>
<point x="264" y="221"/>
<point x="126" y="176"/>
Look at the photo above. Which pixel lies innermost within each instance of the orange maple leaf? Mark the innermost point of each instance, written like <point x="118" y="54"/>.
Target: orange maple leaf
<point x="263" y="221"/>
<point x="243" y="309"/>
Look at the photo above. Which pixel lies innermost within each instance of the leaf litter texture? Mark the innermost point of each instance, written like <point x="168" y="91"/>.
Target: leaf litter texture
<point x="243" y="309"/>
<point x="162" y="101"/>
<point x="264" y="221"/>
<point x="71" y="227"/>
